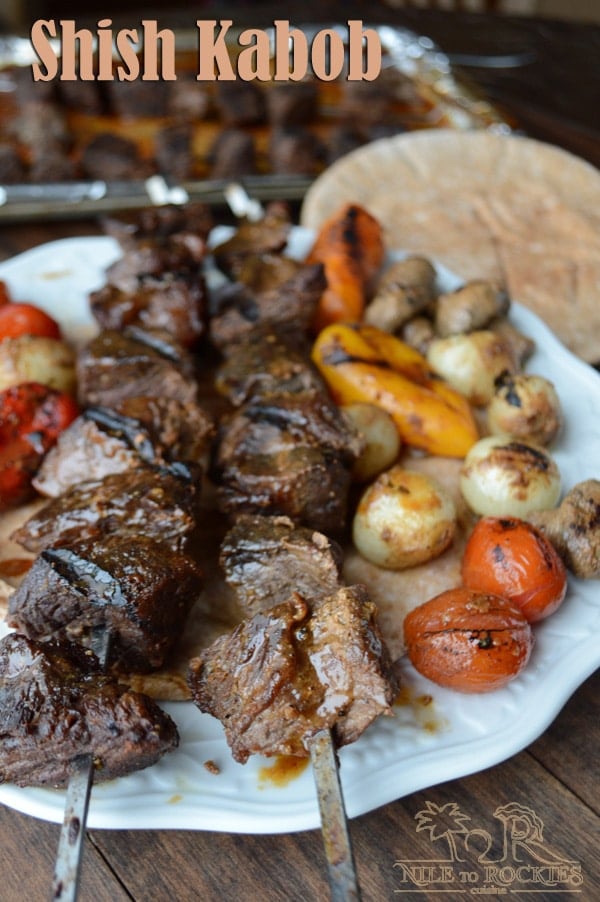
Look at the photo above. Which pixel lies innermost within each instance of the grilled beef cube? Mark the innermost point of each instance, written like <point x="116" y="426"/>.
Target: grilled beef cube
<point x="112" y="157"/>
<point x="118" y="365"/>
<point x="188" y="99"/>
<point x="84" y="96"/>
<point x="167" y="302"/>
<point x="292" y="103"/>
<point x="146" y="501"/>
<point x="151" y="262"/>
<point x="263" y="365"/>
<point x="140" y="589"/>
<point x="233" y="154"/>
<point x="295" y="151"/>
<point x="134" y="99"/>
<point x="368" y="103"/>
<point x="288" y="455"/>
<point x="56" y="704"/>
<point x="140" y="431"/>
<point x="12" y="169"/>
<point x="240" y="103"/>
<point x="281" y="677"/>
<point x="266" y="236"/>
<point x="52" y="166"/>
<point x="265" y="559"/>
<point x="42" y="124"/>
<point x="272" y="292"/>
<point x="173" y="151"/>
<point x="160" y="225"/>
<point x="342" y="140"/>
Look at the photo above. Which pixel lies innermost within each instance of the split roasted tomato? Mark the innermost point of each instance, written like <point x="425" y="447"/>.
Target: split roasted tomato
<point x="467" y="640"/>
<point x="32" y="416"/>
<point x="25" y="319"/>
<point x="512" y="558"/>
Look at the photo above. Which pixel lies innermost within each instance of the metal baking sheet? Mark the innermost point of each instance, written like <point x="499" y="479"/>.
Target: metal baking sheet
<point x="451" y="103"/>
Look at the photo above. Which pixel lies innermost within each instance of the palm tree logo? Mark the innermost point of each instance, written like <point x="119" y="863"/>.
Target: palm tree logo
<point x="444" y="822"/>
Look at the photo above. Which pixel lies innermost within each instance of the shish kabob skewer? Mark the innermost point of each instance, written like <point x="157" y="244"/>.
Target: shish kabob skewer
<point x="141" y="490"/>
<point x="69" y="854"/>
<point x="312" y="465"/>
<point x="332" y="811"/>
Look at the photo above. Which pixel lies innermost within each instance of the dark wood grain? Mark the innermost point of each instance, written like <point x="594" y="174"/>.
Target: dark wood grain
<point x="555" y="97"/>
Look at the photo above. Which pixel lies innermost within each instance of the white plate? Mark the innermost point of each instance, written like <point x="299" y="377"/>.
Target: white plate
<point x="454" y="736"/>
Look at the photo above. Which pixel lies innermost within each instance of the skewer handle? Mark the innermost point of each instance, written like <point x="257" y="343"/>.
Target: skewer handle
<point x="65" y="883"/>
<point x="343" y="881"/>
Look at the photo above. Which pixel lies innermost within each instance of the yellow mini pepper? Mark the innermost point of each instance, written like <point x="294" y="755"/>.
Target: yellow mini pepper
<point x="363" y="363"/>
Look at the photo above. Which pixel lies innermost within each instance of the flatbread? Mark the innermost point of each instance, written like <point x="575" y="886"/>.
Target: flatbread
<point x="520" y="212"/>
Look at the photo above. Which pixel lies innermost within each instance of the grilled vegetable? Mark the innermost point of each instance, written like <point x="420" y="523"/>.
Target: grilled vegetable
<point x="403" y="519"/>
<point x="31" y="418"/>
<point x="526" y="407"/>
<point x="472" y="363"/>
<point x="25" y="319"/>
<point x="361" y="363"/>
<point x="350" y="247"/>
<point x="381" y="438"/>
<point x="511" y="558"/>
<point x="504" y="477"/>
<point x="468" y="640"/>
<point x="35" y="358"/>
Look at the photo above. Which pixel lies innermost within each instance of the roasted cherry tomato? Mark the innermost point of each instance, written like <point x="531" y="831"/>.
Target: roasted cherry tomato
<point x="4" y="293"/>
<point x="468" y="640"/>
<point x="510" y="557"/>
<point x="25" y="319"/>
<point x="32" y="416"/>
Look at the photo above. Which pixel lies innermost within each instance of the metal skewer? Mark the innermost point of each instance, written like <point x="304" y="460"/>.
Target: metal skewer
<point x="343" y="881"/>
<point x="67" y="867"/>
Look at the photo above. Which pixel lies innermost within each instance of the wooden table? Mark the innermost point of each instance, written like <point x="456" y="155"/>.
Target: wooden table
<point x="555" y="98"/>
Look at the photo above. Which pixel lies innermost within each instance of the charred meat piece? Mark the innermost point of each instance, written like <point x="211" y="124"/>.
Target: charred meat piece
<point x="118" y="365"/>
<point x="272" y="292"/>
<point x="148" y="502"/>
<point x="141" y="590"/>
<point x="188" y="99"/>
<point x="240" y="103"/>
<point x="173" y="151"/>
<point x="52" y="166"/>
<point x="159" y="225"/>
<point x="139" y="431"/>
<point x="265" y="559"/>
<point x="263" y="365"/>
<point x="166" y="302"/>
<point x="292" y="103"/>
<point x="112" y="157"/>
<point x="42" y="124"/>
<point x="295" y="150"/>
<point x="342" y="140"/>
<point x="287" y="455"/>
<point x="12" y="168"/>
<point x="284" y="675"/>
<point x="266" y="236"/>
<point x="232" y="155"/>
<point x="55" y="704"/>
<point x="133" y="99"/>
<point x="175" y="258"/>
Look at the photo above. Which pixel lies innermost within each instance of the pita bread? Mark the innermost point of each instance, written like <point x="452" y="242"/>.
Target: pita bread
<point x="517" y="211"/>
